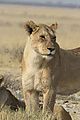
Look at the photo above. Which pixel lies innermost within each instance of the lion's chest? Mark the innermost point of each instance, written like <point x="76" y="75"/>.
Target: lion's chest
<point x="42" y="80"/>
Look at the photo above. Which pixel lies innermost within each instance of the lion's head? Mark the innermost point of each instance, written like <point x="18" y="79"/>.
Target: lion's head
<point x="42" y="37"/>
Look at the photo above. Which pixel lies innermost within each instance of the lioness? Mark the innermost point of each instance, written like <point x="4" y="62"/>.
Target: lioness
<point x="47" y="68"/>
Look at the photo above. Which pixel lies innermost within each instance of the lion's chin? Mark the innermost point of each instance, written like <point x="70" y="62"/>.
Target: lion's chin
<point x="47" y="57"/>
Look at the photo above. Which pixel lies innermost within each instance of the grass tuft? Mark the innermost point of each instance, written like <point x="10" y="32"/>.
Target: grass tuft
<point x="7" y="114"/>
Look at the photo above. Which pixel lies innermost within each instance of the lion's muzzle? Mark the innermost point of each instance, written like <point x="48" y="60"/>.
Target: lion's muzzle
<point x="52" y="51"/>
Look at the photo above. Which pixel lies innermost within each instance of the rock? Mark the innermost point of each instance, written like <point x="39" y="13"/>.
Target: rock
<point x="8" y="99"/>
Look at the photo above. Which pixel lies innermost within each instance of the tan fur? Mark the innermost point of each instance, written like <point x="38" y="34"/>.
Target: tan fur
<point x="51" y="72"/>
<point x="23" y="66"/>
<point x="60" y="113"/>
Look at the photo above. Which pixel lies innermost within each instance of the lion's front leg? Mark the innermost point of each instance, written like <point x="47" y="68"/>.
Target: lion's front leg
<point x="49" y="100"/>
<point x="32" y="100"/>
<point x="31" y="96"/>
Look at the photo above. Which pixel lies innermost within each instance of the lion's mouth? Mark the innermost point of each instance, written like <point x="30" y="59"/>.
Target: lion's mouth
<point x="51" y="54"/>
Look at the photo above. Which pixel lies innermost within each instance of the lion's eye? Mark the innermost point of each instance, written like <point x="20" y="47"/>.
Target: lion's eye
<point x="42" y="36"/>
<point x="54" y="38"/>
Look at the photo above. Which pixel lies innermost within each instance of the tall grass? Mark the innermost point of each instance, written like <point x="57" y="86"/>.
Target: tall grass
<point x="6" y="114"/>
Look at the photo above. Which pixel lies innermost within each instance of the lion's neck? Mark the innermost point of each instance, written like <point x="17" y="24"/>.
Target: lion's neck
<point x="37" y="60"/>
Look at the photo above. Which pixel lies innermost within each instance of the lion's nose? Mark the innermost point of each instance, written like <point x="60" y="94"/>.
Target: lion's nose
<point x="51" y="49"/>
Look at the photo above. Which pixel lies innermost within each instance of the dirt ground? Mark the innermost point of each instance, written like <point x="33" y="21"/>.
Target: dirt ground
<point x="13" y="38"/>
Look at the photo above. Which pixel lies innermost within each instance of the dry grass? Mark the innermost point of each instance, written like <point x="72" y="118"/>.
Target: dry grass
<point x="6" y="114"/>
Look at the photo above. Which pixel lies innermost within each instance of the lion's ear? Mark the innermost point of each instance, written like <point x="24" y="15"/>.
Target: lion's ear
<point x="54" y="26"/>
<point x="30" y="26"/>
